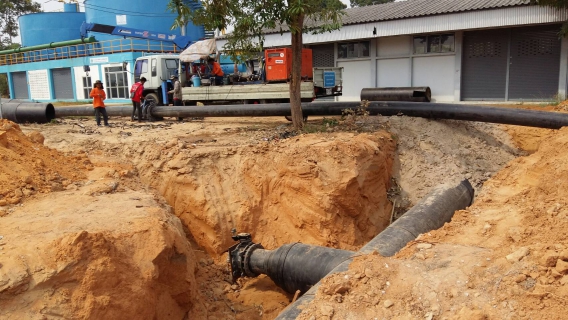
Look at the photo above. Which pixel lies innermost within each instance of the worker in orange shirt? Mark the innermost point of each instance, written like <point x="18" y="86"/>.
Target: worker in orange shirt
<point x="215" y="71"/>
<point x="98" y="94"/>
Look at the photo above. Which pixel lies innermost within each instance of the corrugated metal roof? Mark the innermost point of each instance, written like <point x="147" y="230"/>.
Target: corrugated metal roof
<point x="420" y="8"/>
<point x="414" y="9"/>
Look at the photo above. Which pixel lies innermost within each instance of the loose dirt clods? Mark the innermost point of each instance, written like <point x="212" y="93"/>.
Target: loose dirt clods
<point x="132" y="221"/>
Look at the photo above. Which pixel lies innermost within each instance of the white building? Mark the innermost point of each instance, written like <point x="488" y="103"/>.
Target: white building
<point x="462" y="49"/>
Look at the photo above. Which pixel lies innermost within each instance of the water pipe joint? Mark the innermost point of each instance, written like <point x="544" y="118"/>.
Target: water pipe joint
<point x="239" y="255"/>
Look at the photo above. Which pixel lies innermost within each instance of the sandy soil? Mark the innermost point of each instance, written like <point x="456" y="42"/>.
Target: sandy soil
<point x="165" y="196"/>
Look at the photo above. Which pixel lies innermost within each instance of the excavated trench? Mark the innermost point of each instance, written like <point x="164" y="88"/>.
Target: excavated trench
<point x="309" y="189"/>
<point x="335" y="189"/>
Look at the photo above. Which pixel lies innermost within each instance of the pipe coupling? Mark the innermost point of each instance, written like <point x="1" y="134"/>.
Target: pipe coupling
<point x="239" y="256"/>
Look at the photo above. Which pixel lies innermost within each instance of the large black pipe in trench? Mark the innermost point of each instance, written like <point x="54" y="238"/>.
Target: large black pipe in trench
<point x="530" y="118"/>
<point x="431" y="213"/>
<point x="20" y="111"/>
<point x="415" y="94"/>
<point x="299" y="266"/>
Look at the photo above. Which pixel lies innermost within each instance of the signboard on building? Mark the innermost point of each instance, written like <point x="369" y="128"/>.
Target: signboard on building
<point x="39" y="85"/>
<point x="120" y="19"/>
<point x="98" y="60"/>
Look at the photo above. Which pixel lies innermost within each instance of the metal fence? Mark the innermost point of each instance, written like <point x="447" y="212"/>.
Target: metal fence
<point x="89" y="49"/>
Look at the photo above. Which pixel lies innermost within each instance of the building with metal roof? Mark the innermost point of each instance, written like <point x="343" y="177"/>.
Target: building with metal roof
<point x="463" y="49"/>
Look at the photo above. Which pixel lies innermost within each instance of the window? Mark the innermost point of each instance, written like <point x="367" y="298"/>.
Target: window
<point x="154" y="67"/>
<point x="140" y="68"/>
<point x="116" y="82"/>
<point x="353" y="50"/>
<point x="87" y="86"/>
<point x="436" y="43"/>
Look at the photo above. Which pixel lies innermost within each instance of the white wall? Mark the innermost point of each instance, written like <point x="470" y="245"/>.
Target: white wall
<point x="39" y="84"/>
<point x="394" y="46"/>
<point x="356" y="76"/>
<point x="79" y="74"/>
<point x="436" y="72"/>
<point x="393" y="73"/>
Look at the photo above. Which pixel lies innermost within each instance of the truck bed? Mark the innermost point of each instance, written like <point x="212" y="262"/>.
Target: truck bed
<point x="264" y="91"/>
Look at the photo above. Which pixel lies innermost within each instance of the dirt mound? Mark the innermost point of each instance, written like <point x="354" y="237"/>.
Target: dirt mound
<point x="77" y="259"/>
<point x="315" y="189"/>
<point x="506" y="257"/>
<point x="431" y="152"/>
<point x="83" y="245"/>
<point x="28" y="167"/>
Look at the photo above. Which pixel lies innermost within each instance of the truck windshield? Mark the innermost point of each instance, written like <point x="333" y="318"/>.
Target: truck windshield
<point x="140" y="68"/>
<point x="171" y="64"/>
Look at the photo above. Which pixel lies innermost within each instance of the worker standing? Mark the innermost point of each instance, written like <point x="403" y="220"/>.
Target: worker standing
<point x="136" y="92"/>
<point x="176" y="91"/>
<point x="98" y="94"/>
<point x="215" y="71"/>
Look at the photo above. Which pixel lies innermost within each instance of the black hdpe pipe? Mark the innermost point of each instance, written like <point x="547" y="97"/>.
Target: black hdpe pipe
<point x="530" y="118"/>
<point x="431" y="213"/>
<point x="415" y="94"/>
<point x="113" y="111"/>
<point x="299" y="266"/>
<point x="20" y="111"/>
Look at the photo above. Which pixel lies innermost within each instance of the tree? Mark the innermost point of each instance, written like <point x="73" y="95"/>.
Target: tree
<point x="363" y="3"/>
<point x="183" y="14"/>
<point x="559" y="4"/>
<point x="9" y="13"/>
<point x="333" y="5"/>
<point x="250" y="18"/>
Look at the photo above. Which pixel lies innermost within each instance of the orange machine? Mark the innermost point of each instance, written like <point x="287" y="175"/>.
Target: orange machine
<point x="279" y="64"/>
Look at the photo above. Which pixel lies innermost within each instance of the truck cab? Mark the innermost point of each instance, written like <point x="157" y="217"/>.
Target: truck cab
<point x="157" y="69"/>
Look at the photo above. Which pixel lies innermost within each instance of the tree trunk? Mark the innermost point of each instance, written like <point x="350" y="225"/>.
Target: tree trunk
<point x="296" y="78"/>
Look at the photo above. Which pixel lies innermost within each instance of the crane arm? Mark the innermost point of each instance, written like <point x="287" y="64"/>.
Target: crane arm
<point x="180" y="41"/>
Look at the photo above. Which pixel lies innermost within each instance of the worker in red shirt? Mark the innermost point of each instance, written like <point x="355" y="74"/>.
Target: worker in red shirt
<point x="136" y="92"/>
<point x="215" y="71"/>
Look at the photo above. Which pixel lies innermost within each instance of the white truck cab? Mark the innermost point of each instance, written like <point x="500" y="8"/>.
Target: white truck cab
<point x="156" y="69"/>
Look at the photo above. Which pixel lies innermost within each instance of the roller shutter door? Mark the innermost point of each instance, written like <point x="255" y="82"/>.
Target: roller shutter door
<point x="484" y="70"/>
<point x="322" y="56"/>
<point x="535" y="63"/>
<point x="62" y="84"/>
<point x="20" y="82"/>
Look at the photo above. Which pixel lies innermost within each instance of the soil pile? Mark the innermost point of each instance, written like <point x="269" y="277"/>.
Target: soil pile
<point x="506" y="257"/>
<point x="432" y="152"/>
<point x="100" y="250"/>
<point x="319" y="189"/>
<point x="27" y="167"/>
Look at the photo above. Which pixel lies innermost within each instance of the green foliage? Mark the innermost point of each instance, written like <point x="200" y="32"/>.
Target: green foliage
<point x="250" y="18"/>
<point x="183" y="13"/>
<point x="333" y="5"/>
<point x="363" y="3"/>
<point x="9" y="13"/>
<point x="4" y="86"/>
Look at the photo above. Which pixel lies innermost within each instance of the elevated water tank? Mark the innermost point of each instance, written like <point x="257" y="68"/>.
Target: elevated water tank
<point x="148" y="15"/>
<point x="46" y="27"/>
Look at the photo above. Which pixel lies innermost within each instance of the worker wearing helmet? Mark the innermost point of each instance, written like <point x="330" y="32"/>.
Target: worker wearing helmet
<point x="215" y="71"/>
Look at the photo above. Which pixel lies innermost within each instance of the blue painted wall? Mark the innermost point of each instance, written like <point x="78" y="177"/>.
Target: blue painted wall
<point x="142" y="14"/>
<point x="96" y="68"/>
<point x="46" y="27"/>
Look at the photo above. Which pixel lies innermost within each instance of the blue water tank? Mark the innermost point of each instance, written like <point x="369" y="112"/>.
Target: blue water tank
<point x="148" y="15"/>
<point x="46" y="27"/>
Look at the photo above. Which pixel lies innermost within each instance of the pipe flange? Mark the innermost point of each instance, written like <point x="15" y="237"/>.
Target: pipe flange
<point x="245" y="261"/>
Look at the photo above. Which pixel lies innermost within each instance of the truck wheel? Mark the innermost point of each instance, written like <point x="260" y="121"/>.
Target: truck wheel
<point x="289" y="118"/>
<point x="153" y="96"/>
